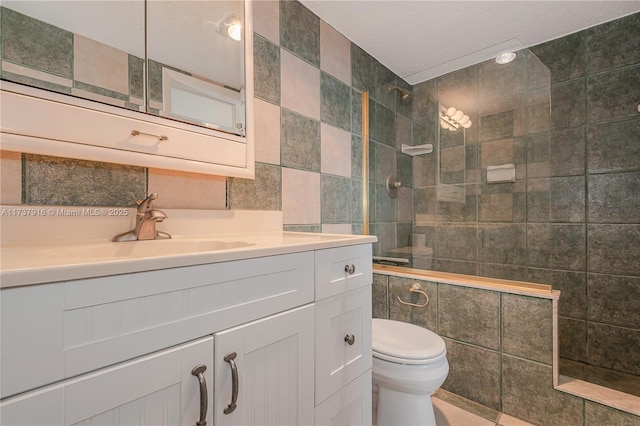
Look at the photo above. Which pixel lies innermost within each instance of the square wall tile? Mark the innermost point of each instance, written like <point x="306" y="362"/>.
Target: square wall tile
<point x="567" y="152"/>
<point x="613" y="347"/>
<point x="572" y="339"/>
<point x="335" y="199"/>
<point x="614" y="44"/>
<point x="564" y="56"/>
<point x="266" y="71"/>
<point x="266" y="19"/>
<point x="335" y="102"/>
<point x="300" y="197"/>
<point x="457" y="242"/>
<point x="470" y="315"/>
<point x="300" y="31"/>
<point x="379" y="296"/>
<point x="613" y="198"/>
<point x="300" y="141"/>
<point x="267" y="132"/>
<point x="10" y="178"/>
<point x="423" y="317"/>
<point x="598" y="415"/>
<point x="183" y="190"/>
<point x="556" y="246"/>
<point x="614" y="147"/>
<point x="614" y="95"/>
<point x="613" y="299"/>
<point x="336" y="151"/>
<point x="568" y="104"/>
<point x="572" y="285"/>
<point x="261" y="193"/>
<point x="503" y="243"/>
<point x="335" y="53"/>
<point x="527" y="327"/>
<point x="300" y="85"/>
<point x="614" y="249"/>
<point x="337" y="228"/>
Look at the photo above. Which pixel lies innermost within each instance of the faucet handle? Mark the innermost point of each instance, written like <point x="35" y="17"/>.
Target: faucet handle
<point x="147" y="203"/>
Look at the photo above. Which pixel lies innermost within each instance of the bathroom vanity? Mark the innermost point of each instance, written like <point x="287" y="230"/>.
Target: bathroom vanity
<point x="273" y="331"/>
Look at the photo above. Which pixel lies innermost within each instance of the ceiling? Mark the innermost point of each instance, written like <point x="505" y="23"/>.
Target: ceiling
<point x="422" y="39"/>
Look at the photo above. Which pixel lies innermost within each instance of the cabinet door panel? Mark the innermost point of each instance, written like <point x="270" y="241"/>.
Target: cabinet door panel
<point x="350" y="406"/>
<point x="337" y="361"/>
<point x="275" y="370"/>
<point x="342" y="269"/>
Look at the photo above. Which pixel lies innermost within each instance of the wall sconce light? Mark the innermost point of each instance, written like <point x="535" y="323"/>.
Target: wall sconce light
<point x="231" y="27"/>
<point x="452" y="119"/>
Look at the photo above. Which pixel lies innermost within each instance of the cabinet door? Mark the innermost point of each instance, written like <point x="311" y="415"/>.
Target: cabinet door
<point x="157" y="389"/>
<point x="274" y="365"/>
<point x="343" y="341"/>
<point x="350" y="406"/>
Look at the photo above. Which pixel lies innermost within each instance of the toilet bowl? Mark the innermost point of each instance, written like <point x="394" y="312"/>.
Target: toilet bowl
<point x="409" y="364"/>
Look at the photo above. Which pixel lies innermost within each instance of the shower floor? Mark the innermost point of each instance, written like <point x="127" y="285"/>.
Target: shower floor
<point x="627" y="383"/>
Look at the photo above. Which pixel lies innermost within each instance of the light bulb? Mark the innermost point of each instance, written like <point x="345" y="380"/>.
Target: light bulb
<point x="451" y="111"/>
<point x="458" y="115"/>
<point x="505" y="58"/>
<point x="467" y="124"/>
<point x="235" y="31"/>
<point x="463" y="120"/>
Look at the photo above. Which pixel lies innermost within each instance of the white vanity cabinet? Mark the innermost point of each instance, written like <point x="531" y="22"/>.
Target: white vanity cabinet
<point x="122" y="349"/>
<point x="343" y="336"/>
<point x="157" y="389"/>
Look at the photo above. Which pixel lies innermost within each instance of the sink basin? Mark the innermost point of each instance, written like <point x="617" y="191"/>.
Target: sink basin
<point x="137" y="249"/>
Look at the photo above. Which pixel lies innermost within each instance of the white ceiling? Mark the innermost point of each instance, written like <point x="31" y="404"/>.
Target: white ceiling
<point x="422" y="39"/>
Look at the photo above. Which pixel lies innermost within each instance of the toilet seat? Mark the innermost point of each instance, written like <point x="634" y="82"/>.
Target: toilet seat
<point x="405" y="343"/>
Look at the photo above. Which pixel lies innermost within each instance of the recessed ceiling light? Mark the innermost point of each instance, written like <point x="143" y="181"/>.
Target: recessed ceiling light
<point x="505" y="58"/>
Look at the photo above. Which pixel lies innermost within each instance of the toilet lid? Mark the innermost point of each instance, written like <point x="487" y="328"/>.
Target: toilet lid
<point x="407" y="343"/>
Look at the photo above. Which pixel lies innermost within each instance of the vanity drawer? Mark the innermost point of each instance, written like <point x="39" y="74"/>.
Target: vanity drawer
<point x="342" y="269"/>
<point x="343" y="341"/>
<point x="55" y="331"/>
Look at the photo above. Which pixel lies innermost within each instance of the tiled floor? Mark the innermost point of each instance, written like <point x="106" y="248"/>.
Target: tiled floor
<point x="452" y="410"/>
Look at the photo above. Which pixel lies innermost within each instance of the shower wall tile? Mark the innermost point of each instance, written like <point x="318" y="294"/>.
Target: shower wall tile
<point x="385" y="78"/>
<point x="300" y="197"/>
<point x="404" y="133"/>
<point x="528" y="394"/>
<point x="603" y="240"/>
<point x="403" y="234"/>
<point x="613" y="347"/>
<point x="379" y="297"/>
<point x="614" y="198"/>
<point x="425" y="171"/>
<point x="335" y="201"/>
<point x="456" y="266"/>
<point x="404" y="170"/>
<point x="424" y="317"/>
<point x="556" y="246"/>
<point x="384" y="162"/>
<point x="300" y="85"/>
<point x="336" y="151"/>
<point x="425" y="98"/>
<point x="356" y="204"/>
<point x="382" y="124"/>
<point x="356" y="112"/>
<point x="459" y="89"/>
<point x="614" y="146"/>
<point x="569" y="105"/>
<point x="614" y="44"/>
<point x="404" y="210"/>
<point x="36" y="44"/>
<point x="470" y="315"/>
<point x="261" y="193"/>
<point x="505" y="272"/>
<point x="565" y="56"/>
<point x="266" y="63"/>
<point x="300" y="31"/>
<point x="596" y="415"/>
<point x="67" y="182"/>
<point x="424" y="203"/>
<point x="527" y="329"/>
<point x="266" y="19"/>
<point x="538" y="75"/>
<point x="614" y="95"/>
<point x="386" y="233"/>
<point x="335" y="102"/>
<point x="568" y="157"/>
<point x="385" y="205"/>
<point x="457" y="242"/>
<point x="460" y="212"/>
<point x="503" y="243"/>
<point x="572" y="285"/>
<point x="613" y="300"/>
<point x="567" y="199"/>
<point x="335" y="53"/>
<point x="267" y="132"/>
<point x="505" y="207"/>
<point x="401" y="107"/>
<point x="572" y="339"/>
<point x="363" y="69"/>
<point x="300" y="143"/>
<point x="502" y="117"/>
<point x="538" y="110"/>
<point x="474" y="373"/>
<point x="496" y="126"/>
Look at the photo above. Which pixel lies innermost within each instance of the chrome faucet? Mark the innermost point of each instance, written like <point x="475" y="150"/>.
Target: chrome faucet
<point x="146" y="219"/>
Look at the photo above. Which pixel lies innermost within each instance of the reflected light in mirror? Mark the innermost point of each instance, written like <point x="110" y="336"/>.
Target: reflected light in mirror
<point x="232" y="27"/>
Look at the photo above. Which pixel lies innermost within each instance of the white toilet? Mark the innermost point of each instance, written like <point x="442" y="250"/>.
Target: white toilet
<point x="409" y="364"/>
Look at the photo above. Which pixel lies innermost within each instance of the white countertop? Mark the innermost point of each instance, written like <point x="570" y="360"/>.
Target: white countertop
<point x="37" y="250"/>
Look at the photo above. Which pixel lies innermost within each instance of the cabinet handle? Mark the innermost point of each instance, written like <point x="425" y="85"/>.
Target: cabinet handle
<point x="197" y="371"/>
<point x="350" y="339"/>
<point x="350" y="269"/>
<point x="234" y="382"/>
<point x="160" y="137"/>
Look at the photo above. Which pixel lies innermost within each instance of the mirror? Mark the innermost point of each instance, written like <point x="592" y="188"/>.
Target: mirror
<point x="96" y="50"/>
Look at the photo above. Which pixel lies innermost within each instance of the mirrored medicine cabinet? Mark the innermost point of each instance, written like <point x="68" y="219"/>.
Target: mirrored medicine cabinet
<point x="155" y="83"/>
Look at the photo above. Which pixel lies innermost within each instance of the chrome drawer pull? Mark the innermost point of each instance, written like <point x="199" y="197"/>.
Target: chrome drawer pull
<point x="159" y="137"/>
<point x="350" y="269"/>
<point x="350" y="339"/>
<point x="234" y="382"/>
<point x="197" y="371"/>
